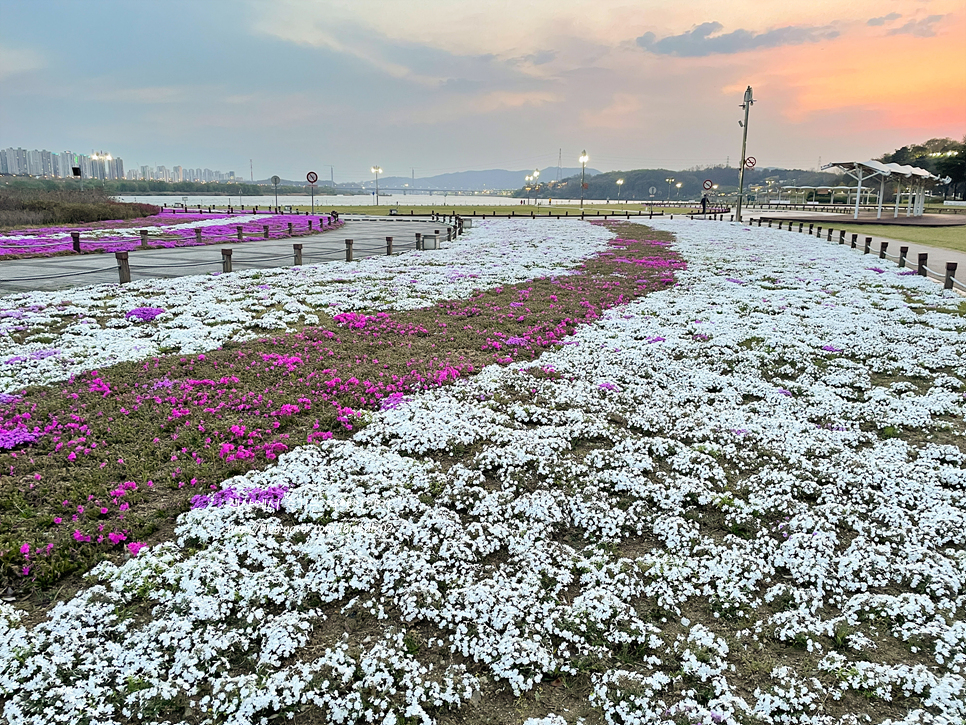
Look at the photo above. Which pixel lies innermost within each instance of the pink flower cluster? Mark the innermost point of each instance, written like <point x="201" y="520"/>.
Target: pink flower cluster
<point x="164" y="231"/>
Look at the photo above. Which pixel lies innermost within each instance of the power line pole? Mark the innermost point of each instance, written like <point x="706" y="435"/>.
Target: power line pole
<point x="744" y="145"/>
<point x="251" y="170"/>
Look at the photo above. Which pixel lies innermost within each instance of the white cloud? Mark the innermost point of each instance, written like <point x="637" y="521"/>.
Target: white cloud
<point x="14" y="61"/>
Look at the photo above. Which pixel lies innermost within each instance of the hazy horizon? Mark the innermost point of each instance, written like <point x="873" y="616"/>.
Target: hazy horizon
<point x="443" y="86"/>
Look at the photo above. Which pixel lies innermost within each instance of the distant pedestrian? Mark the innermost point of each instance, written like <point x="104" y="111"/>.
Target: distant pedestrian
<point x="704" y="204"/>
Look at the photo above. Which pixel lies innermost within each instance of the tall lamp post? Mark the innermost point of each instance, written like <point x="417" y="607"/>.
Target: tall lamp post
<point x="376" y="170"/>
<point x="677" y="188"/>
<point x="583" y="167"/>
<point x="534" y="176"/>
<point x="669" y="182"/>
<point x="744" y="144"/>
<point x="528" y="179"/>
<point x="620" y="183"/>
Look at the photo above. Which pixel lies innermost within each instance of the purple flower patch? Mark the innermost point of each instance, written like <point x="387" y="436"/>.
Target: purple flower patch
<point x="144" y="314"/>
<point x="831" y="348"/>
<point x="16" y="437"/>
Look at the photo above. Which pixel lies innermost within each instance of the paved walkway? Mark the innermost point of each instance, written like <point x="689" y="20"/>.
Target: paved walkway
<point x="369" y="239"/>
<point x="937" y="256"/>
<point x="925" y="220"/>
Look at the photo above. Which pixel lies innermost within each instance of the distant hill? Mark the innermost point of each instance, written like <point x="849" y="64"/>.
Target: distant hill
<point x="637" y="183"/>
<point x="467" y="180"/>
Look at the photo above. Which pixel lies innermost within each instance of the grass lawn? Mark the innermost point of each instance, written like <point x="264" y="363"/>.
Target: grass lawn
<point x="945" y="237"/>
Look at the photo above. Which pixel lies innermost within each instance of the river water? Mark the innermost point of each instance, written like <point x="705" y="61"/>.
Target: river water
<point x="324" y="202"/>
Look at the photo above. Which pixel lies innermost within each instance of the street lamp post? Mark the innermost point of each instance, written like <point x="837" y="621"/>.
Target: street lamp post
<point x="534" y="176"/>
<point x="669" y="182"/>
<point x="528" y="179"/>
<point x="583" y="167"/>
<point x="620" y="183"/>
<point x="376" y="170"/>
<point x="677" y="188"/>
<point x="744" y="143"/>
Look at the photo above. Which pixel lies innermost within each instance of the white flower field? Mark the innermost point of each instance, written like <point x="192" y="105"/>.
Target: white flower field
<point x="740" y="499"/>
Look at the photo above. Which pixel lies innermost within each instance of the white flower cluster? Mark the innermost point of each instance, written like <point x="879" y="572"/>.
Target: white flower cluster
<point x="49" y="336"/>
<point x="739" y="499"/>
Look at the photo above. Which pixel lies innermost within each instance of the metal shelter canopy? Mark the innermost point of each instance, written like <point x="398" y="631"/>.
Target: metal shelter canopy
<point x="915" y="179"/>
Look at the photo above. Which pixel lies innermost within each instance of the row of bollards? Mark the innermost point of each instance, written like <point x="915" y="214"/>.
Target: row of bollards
<point x="922" y="262"/>
<point x="75" y="239"/>
<point x="423" y="242"/>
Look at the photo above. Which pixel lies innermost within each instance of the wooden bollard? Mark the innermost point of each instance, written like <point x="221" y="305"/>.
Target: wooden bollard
<point x="290" y="228"/>
<point x="123" y="267"/>
<point x="226" y="260"/>
<point x="198" y="234"/>
<point x="759" y="221"/>
<point x="829" y="237"/>
<point x="769" y="224"/>
<point x="800" y="226"/>
<point x="950" y="275"/>
<point x="239" y="230"/>
<point x="297" y="248"/>
<point x="868" y="245"/>
<point x="348" y="250"/>
<point x="419" y="237"/>
<point x="265" y="230"/>
<point x="818" y="232"/>
<point x="903" y="251"/>
<point x="310" y="225"/>
<point x="855" y="238"/>
<point x="923" y="261"/>
<point x="144" y="239"/>
<point x="883" y="246"/>
<point x="810" y="229"/>
<point x="388" y="246"/>
<point x="75" y="241"/>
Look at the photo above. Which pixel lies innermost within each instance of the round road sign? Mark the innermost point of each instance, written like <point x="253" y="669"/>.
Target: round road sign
<point x="652" y="190"/>
<point x="275" y="180"/>
<point x="311" y="177"/>
<point x="707" y="184"/>
<point x="750" y="162"/>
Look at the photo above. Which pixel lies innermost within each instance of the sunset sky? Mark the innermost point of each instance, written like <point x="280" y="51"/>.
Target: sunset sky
<point x="449" y="85"/>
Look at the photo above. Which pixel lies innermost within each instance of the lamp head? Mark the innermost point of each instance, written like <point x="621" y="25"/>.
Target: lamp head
<point x="620" y="181"/>
<point x="583" y="157"/>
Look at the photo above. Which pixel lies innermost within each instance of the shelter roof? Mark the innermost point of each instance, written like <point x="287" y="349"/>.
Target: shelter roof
<point x="872" y="167"/>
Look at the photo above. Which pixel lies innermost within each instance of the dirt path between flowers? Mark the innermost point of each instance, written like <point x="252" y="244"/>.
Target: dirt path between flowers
<point x="113" y="456"/>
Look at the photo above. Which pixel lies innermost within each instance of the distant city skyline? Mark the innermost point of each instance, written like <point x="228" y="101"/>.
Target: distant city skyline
<point x="100" y="165"/>
<point x="297" y="85"/>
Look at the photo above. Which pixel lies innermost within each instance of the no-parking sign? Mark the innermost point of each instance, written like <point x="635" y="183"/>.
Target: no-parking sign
<point x="707" y="185"/>
<point x="311" y="177"/>
<point x="750" y="162"/>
